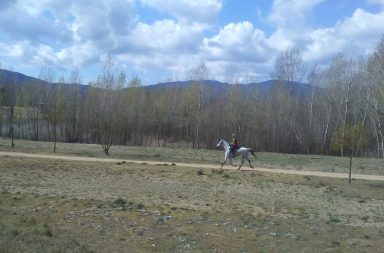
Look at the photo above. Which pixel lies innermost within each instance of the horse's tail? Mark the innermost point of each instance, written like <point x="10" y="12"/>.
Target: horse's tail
<point x="252" y="152"/>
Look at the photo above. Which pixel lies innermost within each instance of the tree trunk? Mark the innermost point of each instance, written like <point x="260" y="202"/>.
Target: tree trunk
<point x="54" y="138"/>
<point x="12" y="135"/>
<point x="37" y="125"/>
<point x="350" y="167"/>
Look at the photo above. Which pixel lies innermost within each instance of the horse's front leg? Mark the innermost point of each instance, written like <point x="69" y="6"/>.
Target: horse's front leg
<point x="225" y="159"/>
<point x="222" y="164"/>
<point x="242" y="162"/>
<point x="230" y="161"/>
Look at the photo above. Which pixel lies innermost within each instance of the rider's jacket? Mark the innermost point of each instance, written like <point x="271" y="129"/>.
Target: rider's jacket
<point x="234" y="142"/>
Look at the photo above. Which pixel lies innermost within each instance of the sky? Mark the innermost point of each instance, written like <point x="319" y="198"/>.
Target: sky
<point x="163" y="40"/>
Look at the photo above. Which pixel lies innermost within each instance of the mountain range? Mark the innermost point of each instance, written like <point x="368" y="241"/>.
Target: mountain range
<point x="297" y="88"/>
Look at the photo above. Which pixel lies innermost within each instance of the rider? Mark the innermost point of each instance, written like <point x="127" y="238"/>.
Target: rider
<point x="234" y="145"/>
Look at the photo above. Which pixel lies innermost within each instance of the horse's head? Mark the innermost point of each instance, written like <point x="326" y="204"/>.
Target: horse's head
<point x="220" y="143"/>
<point x="223" y="143"/>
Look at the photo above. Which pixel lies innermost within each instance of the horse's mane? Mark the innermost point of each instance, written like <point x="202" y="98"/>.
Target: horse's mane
<point x="225" y="143"/>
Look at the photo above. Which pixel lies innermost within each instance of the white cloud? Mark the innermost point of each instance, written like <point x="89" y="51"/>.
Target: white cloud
<point x="291" y="14"/>
<point x="67" y="34"/>
<point x="202" y="11"/>
<point x="19" y="24"/>
<point x="290" y="18"/>
<point x="76" y="33"/>
<point x="164" y="46"/>
<point x="319" y="45"/>
<point x="237" y="41"/>
<point x="379" y="2"/>
<point x="164" y="36"/>
<point x="14" y="50"/>
<point x="362" y="25"/>
<point x="78" y="55"/>
<point x="60" y="33"/>
<point x="360" y="32"/>
<point x="30" y="54"/>
<point x="122" y="17"/>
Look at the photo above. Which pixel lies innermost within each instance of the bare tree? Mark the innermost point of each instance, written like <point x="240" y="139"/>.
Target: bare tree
<point x="10" y="97"/>
<point x="73" y="103"/>
<point x="2" y="91"/>
<point x="288" y="68"/>
<point x="48" y="75"/>
<point x="340" y="85"/>
<point x="197" y="76"/>
<point x="54" y="108"/>
<point x="135" y="112"/>
<point x="375" y="97"/>
<point x="106" y="102"/>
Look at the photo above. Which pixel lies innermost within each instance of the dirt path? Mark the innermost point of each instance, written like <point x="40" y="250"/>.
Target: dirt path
<point x="191" y="165"/>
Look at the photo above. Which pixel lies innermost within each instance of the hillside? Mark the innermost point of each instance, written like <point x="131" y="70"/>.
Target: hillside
<point x="12" y="77"/>
<point x="215" y="87"/>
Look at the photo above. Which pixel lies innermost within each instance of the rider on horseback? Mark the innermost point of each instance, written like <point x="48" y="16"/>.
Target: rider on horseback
<point x="234" y="144"/>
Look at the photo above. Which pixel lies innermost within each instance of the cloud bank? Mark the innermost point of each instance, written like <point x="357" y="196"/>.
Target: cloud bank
<point x="80" y="34"/>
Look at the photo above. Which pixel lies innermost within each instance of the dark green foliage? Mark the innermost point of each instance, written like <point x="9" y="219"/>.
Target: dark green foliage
<point x="333" y="219"/>
<point x="120" y="201"/>
<point x="351" y="138"/>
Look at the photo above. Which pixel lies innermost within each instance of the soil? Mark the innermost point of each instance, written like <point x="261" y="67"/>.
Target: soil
<point x="205" y="166"/>
<point x="85" y="204"/>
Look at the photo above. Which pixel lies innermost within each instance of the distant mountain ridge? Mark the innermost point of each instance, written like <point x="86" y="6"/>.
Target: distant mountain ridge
<point x="263" y="88"/>
<point x="12" y="77"/>
<point x="297" y="88"/>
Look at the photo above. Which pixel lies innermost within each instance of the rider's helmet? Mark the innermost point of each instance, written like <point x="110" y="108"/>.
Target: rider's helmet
<point x="233" y="135"/>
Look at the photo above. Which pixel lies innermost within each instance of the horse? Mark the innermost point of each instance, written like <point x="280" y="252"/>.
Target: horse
<point x="243" y="152"/>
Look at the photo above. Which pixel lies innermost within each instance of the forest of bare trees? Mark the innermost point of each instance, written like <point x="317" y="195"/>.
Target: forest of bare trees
<point x="114" y="110"/>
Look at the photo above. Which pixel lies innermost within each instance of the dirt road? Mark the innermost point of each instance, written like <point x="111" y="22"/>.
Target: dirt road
<point x="205" y="166"/>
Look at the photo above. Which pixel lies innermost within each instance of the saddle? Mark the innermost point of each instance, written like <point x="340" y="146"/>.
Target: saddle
<point x="234" y="149"/>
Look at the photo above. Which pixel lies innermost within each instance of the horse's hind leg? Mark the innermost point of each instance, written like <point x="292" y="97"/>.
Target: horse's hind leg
<point x="250" y="165"/>
<point x="230" y="161"/>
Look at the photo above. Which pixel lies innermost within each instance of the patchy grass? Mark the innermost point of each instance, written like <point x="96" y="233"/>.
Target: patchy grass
<point x="68" y="206"/>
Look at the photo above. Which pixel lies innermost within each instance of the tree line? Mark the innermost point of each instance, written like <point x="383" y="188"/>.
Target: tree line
<point x="117" y="110"/>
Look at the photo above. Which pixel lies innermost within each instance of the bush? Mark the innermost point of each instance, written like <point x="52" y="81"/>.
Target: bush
<point x="120" y="201"/>
<point x="333" y="219"/>
<point x="226" y="176"/>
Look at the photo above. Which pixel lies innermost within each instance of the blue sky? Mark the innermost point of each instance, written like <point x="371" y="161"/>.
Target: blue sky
<point x="161" y="40"/>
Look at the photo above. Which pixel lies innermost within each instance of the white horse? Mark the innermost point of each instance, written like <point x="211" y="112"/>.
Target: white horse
<point x="243" y="152"/>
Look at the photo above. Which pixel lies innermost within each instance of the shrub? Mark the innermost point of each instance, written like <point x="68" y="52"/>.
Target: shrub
<point x="120" y="201"/>
<point x="333" y="219"/>
<point x="226" y="176"/>
<point x="200" y="172"/>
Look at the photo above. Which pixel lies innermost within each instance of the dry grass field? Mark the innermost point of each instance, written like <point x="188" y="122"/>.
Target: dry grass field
<point x="77" y="206"/>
